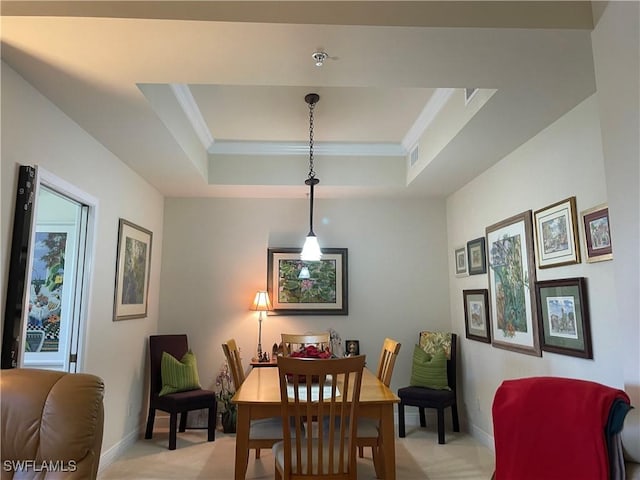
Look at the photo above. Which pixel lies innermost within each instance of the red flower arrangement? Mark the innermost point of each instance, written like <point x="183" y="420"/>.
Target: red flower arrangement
<point x="310" y="351"/>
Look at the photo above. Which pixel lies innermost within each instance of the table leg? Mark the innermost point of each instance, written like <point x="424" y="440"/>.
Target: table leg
<point x="387" y="438"/>
<point x="242" y="441"/>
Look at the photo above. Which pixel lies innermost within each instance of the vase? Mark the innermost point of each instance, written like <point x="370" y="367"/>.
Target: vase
<point x="229" y="420"/>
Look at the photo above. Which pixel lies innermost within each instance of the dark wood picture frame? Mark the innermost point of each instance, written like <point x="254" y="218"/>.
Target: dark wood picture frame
<point x="325" y="292"/>
<point x="476" y="315"/>
<point x="563" y="313"/>
<point x="597" y="233"/>
<point x="477" y="256"/>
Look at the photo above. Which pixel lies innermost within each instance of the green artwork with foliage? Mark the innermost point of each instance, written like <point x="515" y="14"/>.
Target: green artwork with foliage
<point x="320" y="287"/>
<point x="510" y="284"/>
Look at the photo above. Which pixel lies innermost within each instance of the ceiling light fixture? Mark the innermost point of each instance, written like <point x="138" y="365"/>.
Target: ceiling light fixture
<point x="319" y="58"/>
<point x="311" y="250"/>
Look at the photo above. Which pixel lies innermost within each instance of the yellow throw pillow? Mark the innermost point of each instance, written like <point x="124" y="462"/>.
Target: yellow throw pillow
<point x="179" y="375"/>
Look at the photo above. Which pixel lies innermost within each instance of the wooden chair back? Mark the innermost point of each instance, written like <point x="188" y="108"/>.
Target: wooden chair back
<point x="388" y="355"/>
<point x="333" y="385"/>
<point x="291" y="342"/>
<point x="232" y="353"/>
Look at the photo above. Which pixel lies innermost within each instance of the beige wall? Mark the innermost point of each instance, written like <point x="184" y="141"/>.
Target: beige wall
<point x="34" y="131"/>
<point x="215" y="258"/>
<point x="616" y="53"/>
<point x="563" y="160"/>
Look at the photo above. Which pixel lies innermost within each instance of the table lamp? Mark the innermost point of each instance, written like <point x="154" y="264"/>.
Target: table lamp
<point x="261" y="303"/>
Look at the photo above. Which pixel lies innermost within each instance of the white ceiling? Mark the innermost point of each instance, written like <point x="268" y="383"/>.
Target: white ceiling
<point x="207" y="98"/>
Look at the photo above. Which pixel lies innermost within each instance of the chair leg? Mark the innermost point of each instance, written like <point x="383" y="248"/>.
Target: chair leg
<point x="211" y="423"/>
<point x="150" y="419"/>
<point x="441" y="426"/>
<point x="454" y="417"/>
<point x="173" y="427"/>
<point x="257" y="453"/>
<point x="401" y="431"/>
<point x="183" y="421"/>
<point x="360" y="451"/>
<point x="423" y="419"/>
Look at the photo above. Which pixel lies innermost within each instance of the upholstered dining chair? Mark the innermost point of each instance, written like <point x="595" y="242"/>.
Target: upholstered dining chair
<point x="193" y="397"/>
<point x="263" y="433"/>
<point x="433" y="343"/>
<point x="333" y="386"/>
<point x="291" y="342"/>
<point x="368" y="428"/>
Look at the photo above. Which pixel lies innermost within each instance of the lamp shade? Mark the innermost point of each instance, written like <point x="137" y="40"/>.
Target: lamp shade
<point x="311" y="250"/>
<point x="261" y="302"/>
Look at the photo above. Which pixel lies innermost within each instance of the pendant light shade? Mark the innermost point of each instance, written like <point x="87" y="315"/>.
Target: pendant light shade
<point x="311" y="250"/>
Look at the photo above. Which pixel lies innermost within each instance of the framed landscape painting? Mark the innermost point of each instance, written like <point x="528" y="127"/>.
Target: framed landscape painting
<point x="597" y="234"/>
<point x="556" y="228"/>
<point x="460" y="257"/>
<point x="299" y="287"/>
<point x="476" y="315"/>
<point x="132" y="271"/>
<point x="564" y="317"/>
<point x="477" y="256"/>
<point x="512" y="277"/>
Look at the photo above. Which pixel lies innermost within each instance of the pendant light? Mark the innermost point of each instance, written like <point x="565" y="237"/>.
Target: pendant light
<point x="311" y="250"/>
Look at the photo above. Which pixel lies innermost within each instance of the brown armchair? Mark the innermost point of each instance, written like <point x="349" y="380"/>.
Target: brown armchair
<point x="51" y="423"/>
<point x="175" y="403"/>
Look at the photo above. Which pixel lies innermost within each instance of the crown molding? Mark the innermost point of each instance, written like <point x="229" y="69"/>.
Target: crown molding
<point x="430" y="111"/>
<point x="190" y="108"/>
<point x="302" y="148"/>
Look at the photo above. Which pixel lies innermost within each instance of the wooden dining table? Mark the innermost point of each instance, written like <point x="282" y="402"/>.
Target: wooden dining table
<point x="259" y="397"/>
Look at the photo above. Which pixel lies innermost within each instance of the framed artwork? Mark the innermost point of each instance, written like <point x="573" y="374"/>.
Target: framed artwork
<point x="476" y="315"/>
<point x="133" y="266"/>
<point x="556" y="228"/>
<point x="352" y="348"/>
<point x="320" y="290"/>
<point x="477" y="256"/>
<point x="564" y="317"/>
<point x="512" y="277"/>
<point x="597" y="233"/>
<point x="460" y="255"/>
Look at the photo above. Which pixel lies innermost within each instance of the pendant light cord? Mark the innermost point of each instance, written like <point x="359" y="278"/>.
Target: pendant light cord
<point x="312" y="181"/>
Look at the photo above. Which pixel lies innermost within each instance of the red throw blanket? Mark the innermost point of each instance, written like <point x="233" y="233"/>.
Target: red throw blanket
<point x="548" y="428"/>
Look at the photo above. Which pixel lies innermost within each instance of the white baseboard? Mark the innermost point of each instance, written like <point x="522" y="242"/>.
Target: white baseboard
<point x="111" y="455"/>
<point x="483" y="437"/>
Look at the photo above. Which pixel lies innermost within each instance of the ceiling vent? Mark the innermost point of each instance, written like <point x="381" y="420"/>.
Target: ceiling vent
<point x="413" y="156"/>
<point x="468" y="94"/>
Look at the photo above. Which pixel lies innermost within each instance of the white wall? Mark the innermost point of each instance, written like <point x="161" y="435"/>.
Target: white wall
<point x="34" y="131"/>
<point x="563" y="160"/>
<point x="215" y="259"/>
<point x="616" y="53"/>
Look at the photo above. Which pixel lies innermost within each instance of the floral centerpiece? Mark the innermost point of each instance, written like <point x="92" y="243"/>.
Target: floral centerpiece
<point x="310" y="351"/>
<point x="224" y="393"/>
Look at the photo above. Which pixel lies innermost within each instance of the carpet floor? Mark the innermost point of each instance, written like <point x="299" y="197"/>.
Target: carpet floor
<point x="418" y="457"/>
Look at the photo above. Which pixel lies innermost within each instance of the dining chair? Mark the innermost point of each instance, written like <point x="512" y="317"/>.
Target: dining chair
<point x="291" y="340"/>
<point x="368" y="429"/>
<point x="427" y="397"/>
<point x="263" y="433"/>
<point x="333" y="386"/>
<point x="180" y="402"/>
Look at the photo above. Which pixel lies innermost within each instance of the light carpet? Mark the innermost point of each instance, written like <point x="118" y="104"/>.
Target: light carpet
<point x="418" y="457"/>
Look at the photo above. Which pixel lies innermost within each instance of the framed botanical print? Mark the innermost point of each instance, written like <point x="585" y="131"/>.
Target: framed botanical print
<point x="476" y="315"/>
<point x="564" y="317"/>
<point x="298" y="287"/>
<point x="556" y="229"/>
<point x="597" y="234"/>
<point x="132" y="271"/>
<point x="512" y="277"/>
<point x="476" y="256"/>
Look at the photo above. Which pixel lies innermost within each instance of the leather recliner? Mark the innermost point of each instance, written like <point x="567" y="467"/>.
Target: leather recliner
<point x="52" y="424"/>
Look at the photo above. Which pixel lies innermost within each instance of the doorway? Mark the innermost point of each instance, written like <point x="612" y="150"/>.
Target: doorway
<point x="56" y="281"/>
